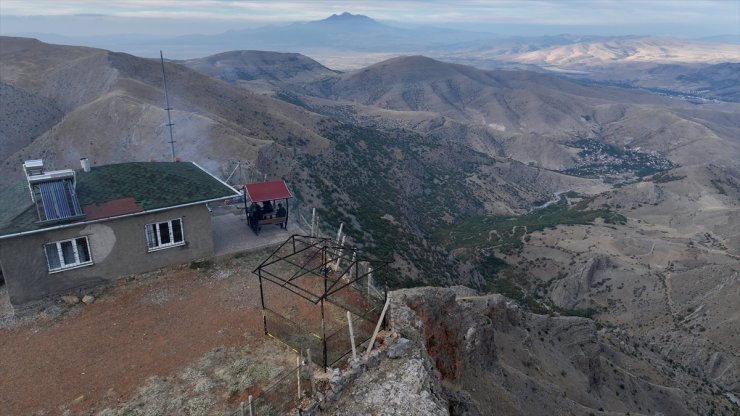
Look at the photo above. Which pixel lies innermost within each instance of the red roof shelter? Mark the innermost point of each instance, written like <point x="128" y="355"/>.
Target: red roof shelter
<point x="263" y="192"/>
<point x="267" y="191"/>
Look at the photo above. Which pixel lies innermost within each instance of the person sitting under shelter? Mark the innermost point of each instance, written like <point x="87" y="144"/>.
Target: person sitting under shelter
<point x="255" y="214"/>
<point x="267" y="206"/>
<point x="281" y="213"/>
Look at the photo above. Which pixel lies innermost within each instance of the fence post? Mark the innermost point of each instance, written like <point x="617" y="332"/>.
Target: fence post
<point x="251" y="406"/>
<point x="298" y="375"/>
<point x="369" y="281"/>
<point x="313" y="223"/>
<point x="351" y="335"/>
<point x="377" y="328"/>
<point x="339" y="255"/>
<point x="323" y="336"/>
<point x="310" y="373"/>
<point x="339" y="233"/>
<point x="339" y="238"/>
<point x="241" y="409"/>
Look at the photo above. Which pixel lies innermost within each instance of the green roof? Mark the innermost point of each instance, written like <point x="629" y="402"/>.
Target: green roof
<point x="154" y="185"/>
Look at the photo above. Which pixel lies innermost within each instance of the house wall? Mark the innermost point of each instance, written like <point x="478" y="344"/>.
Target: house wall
<point x="118" y="248"/>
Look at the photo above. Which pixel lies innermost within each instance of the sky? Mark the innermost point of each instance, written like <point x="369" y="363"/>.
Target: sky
<point x="79" y="18"/>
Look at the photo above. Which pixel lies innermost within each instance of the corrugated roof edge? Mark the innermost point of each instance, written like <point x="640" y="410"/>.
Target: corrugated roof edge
<point x="75" y="224"/>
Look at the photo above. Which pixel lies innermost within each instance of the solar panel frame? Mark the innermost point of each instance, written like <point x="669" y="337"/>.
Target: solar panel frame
<point x="62" y="202"/>
<point x="77" y="210"/>
<point x="47" y="201"/>
<point x="59" y="200"/>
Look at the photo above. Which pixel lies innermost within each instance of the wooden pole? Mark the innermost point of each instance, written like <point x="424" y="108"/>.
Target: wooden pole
<point x="323" y="335"/>
<point x="338" y="251"/>
<point x="377" y="328"/>
<point x="246" y="210"/>
<point x="251" y="406"/>
<point x="339" y="233"/>
<point x="351" y="335"/>
<point x="339" y="255"/>
<point x="287" y="213"/>
<point x="313" y="222"/>
<point x="262" y="300"/>
<point x="369" y="281"/>
<point x="310" y="372"/>
<point x="353" y="265"/>
<point x="298" y="374"/>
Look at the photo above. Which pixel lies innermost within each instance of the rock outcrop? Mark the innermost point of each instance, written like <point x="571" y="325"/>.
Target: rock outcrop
<point x="573" y="291"/>
<point x="484" y="355"/>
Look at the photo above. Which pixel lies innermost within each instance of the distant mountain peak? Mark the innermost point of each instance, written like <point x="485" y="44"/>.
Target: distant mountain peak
<point x="347" y="16"/>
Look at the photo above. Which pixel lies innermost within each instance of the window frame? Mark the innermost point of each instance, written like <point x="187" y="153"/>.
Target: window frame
<point x="156" y="233"/>
<point x="60" y="255"/>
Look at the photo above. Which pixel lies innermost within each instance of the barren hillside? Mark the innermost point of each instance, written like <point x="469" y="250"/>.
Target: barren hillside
<point x="638" y="49"/>
<point x="524" y="115"/>
<point x="113" y="110"/>
<point x="481" y="355"/>
<point x="254" y="66"/>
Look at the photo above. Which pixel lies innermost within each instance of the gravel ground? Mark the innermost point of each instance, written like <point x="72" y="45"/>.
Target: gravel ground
<point x="83" y="359"/>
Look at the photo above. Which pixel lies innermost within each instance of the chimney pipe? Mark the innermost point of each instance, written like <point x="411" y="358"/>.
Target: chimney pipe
<point x="85" y="164"/>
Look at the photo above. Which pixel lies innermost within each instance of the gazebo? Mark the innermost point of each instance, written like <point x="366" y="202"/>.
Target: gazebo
<point x="263" y="210"/>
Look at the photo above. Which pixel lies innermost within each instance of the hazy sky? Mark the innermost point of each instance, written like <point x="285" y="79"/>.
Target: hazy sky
<point x="176" y="17"/>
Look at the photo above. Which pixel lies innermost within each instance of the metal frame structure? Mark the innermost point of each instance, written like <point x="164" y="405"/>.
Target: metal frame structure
<point x="304" y="250"/>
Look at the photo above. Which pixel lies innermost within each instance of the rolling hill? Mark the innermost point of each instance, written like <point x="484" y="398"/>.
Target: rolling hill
<point x="110" y="107"/>
<point x="651" y="49"/>
<point x="244" y="67"/>
<point x="529" y="116"/>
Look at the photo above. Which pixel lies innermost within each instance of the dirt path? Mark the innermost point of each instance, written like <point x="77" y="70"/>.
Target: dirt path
<point x="99" y="356"/>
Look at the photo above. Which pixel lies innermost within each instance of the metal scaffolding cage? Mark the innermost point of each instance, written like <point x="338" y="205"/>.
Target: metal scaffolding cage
<point x="308" y="285"/>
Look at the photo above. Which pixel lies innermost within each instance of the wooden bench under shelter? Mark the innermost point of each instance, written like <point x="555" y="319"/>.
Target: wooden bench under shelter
<point x="262" y="193"/>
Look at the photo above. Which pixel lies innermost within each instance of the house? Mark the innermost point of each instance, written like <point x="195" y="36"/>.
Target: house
<point x="65" y="230"/>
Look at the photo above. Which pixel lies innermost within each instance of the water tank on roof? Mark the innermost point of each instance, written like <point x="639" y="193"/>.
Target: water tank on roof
<point x="33" y="167"/>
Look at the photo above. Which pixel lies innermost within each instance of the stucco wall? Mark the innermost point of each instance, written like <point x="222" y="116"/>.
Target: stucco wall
<point x="118" y="248"/>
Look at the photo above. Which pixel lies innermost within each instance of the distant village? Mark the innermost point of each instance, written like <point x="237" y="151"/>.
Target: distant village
<point x="600" y="159"/>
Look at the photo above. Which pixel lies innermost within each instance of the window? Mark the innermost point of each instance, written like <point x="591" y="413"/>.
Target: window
<point x="68" y="254"/>
<point x="164" y="234"/>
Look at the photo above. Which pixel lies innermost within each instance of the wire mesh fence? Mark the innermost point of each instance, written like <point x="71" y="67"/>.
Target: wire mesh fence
<point x="296" y="336"/>
<point x="339" y="343"/>
<point x="312" y="287"/>
<point x="282" y="395"/>
<point x="308" y="284"/>
<point x="303" y="331"/>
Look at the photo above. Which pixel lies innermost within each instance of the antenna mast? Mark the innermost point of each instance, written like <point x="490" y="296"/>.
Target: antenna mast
<point x="167" y="101"/>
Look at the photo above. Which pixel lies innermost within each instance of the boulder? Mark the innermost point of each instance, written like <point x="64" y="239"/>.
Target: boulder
<point x="400" y="348"/>
<point x="88" y="299"/>
<point x="71" y="299"/>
